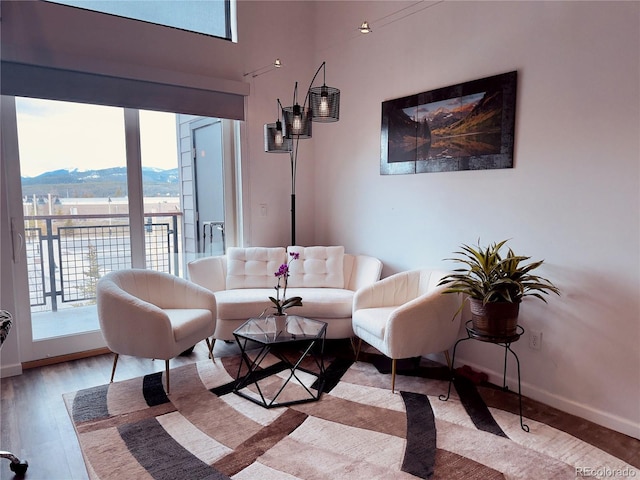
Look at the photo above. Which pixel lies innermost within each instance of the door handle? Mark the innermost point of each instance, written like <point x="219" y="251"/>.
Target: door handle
<point x="15" y="234"/>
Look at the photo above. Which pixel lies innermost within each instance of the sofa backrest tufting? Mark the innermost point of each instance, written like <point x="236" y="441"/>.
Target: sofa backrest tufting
<point x="253" y="267"/>
<point x="317" y="267"/>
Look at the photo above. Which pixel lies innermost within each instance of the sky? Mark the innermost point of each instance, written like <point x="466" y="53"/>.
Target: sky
<point x="56" y="135"/>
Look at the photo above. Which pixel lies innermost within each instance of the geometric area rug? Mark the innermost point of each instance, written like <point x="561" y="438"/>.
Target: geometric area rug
<point x="357" y="430"/>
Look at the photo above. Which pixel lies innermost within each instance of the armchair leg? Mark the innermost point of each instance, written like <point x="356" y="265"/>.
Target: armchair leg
<point x="393" y="375"/>
<point x="358" y="349"/>
<point x="210" y="344"/>
<point x="113" y="370"/>
<point x="166" y="367"/>
<point x="446" y="356"/>
<point x="353" y="345"/>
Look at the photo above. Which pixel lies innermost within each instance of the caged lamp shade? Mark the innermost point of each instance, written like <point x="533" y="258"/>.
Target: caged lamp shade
<point x="297" y="122"/>
<point x="324" y="103"/>
<point x="275" y="140"/>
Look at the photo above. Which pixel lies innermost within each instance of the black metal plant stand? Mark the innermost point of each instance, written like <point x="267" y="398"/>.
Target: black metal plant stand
<point x="504" y="341"/>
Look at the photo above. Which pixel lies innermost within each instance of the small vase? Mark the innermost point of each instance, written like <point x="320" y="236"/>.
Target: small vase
<point x="280" y="322"/>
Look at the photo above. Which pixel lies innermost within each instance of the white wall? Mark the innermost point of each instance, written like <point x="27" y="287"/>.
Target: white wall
<point x="270" y="30"/>
<point x="572" y="197"/>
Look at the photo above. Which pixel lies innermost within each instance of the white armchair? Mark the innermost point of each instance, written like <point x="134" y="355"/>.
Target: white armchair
<point x="151" y="314"/>
<point x="406" y="315"/>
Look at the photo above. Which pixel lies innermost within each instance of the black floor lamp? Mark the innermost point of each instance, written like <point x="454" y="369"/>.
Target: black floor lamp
<point x="321" y="104"/>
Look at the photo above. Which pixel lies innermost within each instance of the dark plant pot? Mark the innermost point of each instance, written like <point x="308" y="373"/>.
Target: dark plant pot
<point x="497" y="319"/>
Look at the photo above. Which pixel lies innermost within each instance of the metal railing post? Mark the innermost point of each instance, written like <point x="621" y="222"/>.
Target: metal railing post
<point x="52" y="266"/>
<point x="175" y="245"/>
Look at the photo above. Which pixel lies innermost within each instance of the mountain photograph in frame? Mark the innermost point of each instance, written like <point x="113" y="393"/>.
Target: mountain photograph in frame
<point x="469" y="126"/>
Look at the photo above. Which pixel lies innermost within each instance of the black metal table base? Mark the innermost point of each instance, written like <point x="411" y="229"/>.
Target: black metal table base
<point x="504" y="341"/>
<point x="255" y="373"/>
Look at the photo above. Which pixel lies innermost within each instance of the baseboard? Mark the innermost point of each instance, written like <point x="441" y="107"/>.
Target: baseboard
<point x="10" y="370"/>
<point x="64" y="358"/>
<point x="581" y="410"/>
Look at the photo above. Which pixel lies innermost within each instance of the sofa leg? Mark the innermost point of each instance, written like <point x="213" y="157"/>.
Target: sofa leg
<point x="393" y="375"/>
<point x="113" y="370"/>
<point x="358" y="349"/>
<point x="210" y="344"/>
<point x="166" y="368"/>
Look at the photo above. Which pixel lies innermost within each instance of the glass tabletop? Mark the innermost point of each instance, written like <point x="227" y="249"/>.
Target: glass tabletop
<point x="273" y="329"/>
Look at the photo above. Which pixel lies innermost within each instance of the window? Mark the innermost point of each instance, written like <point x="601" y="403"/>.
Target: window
<point x="82" y="219"/>
<point x="210" y="17"/>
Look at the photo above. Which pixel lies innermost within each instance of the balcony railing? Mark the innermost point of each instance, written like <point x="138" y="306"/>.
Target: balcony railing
<point x="67" y="254"/>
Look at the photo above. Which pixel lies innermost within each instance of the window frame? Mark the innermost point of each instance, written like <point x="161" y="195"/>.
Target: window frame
<point x="228" y="19"/>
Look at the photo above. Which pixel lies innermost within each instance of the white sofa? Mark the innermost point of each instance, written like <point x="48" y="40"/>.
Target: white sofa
<point x="325" y="277"/>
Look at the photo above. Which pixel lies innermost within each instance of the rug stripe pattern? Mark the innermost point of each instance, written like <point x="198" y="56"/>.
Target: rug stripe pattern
<point x="476" y="408"/>
<point x="358" y="430"/>
<point x="250" y="450"/>
<point x="420" y="452"/>
<point x="153" y="390"/>
<point x="90" y="404"/>
<point x="161" y="455"/>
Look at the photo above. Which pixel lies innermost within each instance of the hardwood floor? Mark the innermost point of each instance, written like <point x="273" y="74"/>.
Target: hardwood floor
<point x="34" y="422"/>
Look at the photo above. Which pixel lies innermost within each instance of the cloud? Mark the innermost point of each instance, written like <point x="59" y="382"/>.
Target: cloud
<point x="54" y="135"/>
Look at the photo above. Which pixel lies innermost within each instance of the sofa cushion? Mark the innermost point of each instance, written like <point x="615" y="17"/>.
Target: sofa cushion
<point x="188" y="321"/>
<point x="242" y="303"/>
<point x="373" y="321"/>
<point x="253" y="267"/>
<point x="316" y="302"/>
<point x="317" y="267"/>
<point x="322" y="302"/>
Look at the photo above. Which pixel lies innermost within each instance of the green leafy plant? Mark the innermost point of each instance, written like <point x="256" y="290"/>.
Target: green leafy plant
<point x="491" y="277"/>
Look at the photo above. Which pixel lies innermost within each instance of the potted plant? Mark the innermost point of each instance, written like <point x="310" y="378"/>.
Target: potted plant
<point x="495" y="285"/>
<point x="281" y="304"/>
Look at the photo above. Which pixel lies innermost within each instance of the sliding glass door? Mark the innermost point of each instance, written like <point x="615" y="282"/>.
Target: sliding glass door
<point x="95" y="189"/>
<point x="72" y="162"/>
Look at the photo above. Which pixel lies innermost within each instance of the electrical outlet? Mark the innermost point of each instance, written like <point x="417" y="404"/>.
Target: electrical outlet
<point x="535" y="340"/>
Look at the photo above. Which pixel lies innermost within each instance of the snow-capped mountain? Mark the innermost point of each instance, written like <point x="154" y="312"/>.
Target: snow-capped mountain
<point x="100" y="183"/>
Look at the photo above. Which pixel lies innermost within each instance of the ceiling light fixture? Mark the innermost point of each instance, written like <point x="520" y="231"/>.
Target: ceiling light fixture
<point x="365" y="28"/>
<point x="266" y="69"/>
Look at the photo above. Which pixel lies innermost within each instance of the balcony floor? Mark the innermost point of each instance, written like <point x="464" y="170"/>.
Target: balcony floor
<point x="66" y="321"/>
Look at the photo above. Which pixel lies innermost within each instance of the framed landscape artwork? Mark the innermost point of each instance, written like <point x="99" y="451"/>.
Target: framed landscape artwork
<point x="469" y="126"/>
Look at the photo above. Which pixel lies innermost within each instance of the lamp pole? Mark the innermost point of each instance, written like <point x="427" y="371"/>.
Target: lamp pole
<point x="293" y="219"/>
<point x="294" y="168"/>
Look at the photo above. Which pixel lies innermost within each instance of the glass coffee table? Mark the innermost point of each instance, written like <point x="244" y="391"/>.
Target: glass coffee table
<point x="283" y="358"/>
